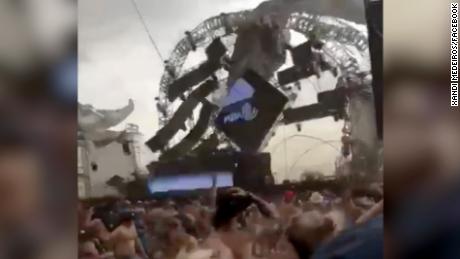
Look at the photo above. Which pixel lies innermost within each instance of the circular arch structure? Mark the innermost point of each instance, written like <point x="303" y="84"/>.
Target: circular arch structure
<point x="339" y="34"/>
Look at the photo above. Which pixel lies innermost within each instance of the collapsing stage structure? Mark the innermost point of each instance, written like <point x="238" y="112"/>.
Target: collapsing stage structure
<point x="240" y="89"/>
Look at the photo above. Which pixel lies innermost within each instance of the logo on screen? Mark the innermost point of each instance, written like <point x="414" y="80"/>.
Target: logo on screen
<point x="247" y="113"/>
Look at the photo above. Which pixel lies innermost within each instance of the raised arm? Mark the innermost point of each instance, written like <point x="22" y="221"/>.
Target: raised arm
<point x="371" y="213"/>
<point x="265" y="208"/>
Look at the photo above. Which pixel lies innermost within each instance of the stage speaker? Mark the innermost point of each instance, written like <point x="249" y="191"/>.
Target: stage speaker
<point x="294" y="74"/>
<point x="302" y="54"/>
<point x="333" y="99"/>
<point x="185" y="110"/>
<point x="216" y="50"/>
<point x="207" y="145"/>
<point x="305" y="113"/>
<point x="194" y="77"/>
<point x="193" y="137"/>
<point x="252" y="170"/>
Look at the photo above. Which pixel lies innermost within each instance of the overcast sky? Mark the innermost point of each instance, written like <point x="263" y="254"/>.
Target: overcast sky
<point x="118" y="62"/>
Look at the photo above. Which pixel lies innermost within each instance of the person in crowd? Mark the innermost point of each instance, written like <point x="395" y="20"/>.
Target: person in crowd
<point x="287" y="209"/>
<point x="242" y="226"/>
<point x="24" y="228"/>
<point x="228" y="232"/>
<point x="307" y="231"/>
<point x="123" y="240"/>
<point x="90" y="246"/>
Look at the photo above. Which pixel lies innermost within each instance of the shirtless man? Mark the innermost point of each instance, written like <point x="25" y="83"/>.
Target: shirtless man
<point x="287" y="208"/>
<point x="125" y="240"/>
<point x="308" y="230"/>
<point x="227" y="234"/>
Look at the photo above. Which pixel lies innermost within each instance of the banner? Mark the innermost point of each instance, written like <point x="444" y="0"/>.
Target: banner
<point x="249" y="111"/>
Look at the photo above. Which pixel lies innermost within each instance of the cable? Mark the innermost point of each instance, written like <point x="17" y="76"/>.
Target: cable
<point x="307" y="151"/>
<point x="285" y="154"/>
<point x="277" y="145"/>
<point x="157" y="50"/>
<point x="284" y="141"/>
<point x="147" y="31"/>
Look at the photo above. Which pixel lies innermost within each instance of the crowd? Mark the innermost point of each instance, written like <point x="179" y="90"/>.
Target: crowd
<point x="237" y="225"/>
